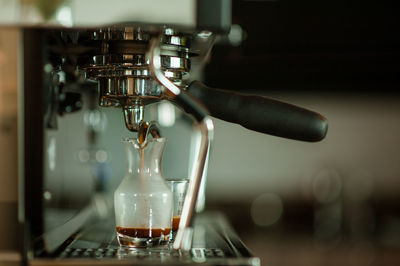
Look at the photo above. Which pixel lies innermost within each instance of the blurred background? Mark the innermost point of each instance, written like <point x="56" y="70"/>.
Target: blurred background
<point x="328" y="203"/>
<point x="293" y="203"/>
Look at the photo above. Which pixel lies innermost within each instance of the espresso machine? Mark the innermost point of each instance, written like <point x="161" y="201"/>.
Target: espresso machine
<point x="79" y="57"/>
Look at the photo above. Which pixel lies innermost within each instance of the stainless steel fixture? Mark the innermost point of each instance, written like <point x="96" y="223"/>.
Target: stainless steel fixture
<point x="122" y="68"/>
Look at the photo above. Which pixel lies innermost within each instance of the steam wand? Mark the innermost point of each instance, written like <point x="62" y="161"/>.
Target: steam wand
<point x="203" y="125"/>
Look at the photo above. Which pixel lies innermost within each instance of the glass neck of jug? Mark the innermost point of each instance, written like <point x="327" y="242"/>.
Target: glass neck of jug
<point x="145" y="159"/>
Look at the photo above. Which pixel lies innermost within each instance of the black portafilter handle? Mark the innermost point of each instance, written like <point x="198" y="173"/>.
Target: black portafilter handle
<point x="261" y="114"/>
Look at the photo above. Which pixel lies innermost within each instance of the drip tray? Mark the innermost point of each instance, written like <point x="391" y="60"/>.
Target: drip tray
<point x="196" y="254"/>
<point x="214" y="243"/>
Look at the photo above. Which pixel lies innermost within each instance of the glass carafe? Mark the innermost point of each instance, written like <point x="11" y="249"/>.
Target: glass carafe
<point x="143" y="202"/>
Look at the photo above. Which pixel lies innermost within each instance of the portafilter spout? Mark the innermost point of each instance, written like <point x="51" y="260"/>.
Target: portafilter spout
<point x="133" y="117"/>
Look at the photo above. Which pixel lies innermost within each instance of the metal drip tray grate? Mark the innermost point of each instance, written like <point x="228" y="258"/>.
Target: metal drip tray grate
<point x="214" y="243"/>
<point x="197" y="254"/>
<point x="98" y="253"/>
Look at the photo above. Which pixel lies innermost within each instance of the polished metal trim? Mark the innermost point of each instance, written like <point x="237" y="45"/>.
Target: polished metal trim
<point x="139" y="34"/>
<point x="135" y="61"/>
<point x="129" y="86"/>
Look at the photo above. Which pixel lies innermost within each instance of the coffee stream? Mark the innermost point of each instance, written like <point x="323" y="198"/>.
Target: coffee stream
<point x="144" y="130"/>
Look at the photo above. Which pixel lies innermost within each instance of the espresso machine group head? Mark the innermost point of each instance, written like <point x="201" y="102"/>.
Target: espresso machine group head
<point x="122" y="67"/>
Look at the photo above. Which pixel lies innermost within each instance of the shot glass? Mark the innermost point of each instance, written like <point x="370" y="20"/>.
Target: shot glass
<point x="178" y="188"/>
